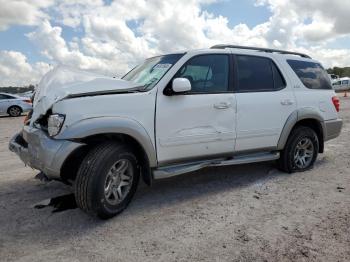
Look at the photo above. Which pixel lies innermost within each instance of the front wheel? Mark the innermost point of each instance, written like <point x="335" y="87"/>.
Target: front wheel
<point x="107" y="180"/>
<point x="300" y="151"/>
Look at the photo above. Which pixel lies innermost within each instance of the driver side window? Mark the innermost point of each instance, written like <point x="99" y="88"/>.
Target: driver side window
<point x="207" y="73"/>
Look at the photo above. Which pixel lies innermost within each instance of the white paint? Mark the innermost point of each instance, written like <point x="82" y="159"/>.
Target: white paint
<point x="261" y="115"/>
<point x="187" y="126"/>
<point x="63" y="81"/>
<point x="181" y="85"/>
<point x="319" y="100"/>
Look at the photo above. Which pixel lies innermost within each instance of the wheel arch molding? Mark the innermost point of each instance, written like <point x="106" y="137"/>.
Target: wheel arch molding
<point x="307" y="117"/>
<point x="128" y="130"/>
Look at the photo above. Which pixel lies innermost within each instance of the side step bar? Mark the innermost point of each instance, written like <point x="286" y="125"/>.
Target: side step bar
<point x="174" y="170"/>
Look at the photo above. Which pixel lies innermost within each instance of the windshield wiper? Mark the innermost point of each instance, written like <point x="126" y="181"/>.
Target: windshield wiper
<point x="150" y="82"/>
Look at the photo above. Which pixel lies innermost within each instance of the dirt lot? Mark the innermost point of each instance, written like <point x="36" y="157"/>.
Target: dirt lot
<point x="241" y="213"/>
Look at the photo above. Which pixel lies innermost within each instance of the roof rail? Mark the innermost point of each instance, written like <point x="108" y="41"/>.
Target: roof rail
<point x="268" y="50"/>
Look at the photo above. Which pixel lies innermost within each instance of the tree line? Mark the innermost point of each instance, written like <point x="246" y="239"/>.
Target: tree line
<point x="17" y="89"/>
<point x="340" y="71"/>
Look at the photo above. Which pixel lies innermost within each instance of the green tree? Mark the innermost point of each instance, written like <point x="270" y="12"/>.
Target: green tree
<point x="340" y="71"/>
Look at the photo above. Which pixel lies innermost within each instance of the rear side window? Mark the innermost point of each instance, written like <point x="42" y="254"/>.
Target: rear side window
<point x="311" y="74"/>
<point x="258" y="74"/>
<point x="6" y="97"/>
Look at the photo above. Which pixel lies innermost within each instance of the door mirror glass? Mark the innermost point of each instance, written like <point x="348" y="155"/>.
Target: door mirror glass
<point x="181" y="85"/>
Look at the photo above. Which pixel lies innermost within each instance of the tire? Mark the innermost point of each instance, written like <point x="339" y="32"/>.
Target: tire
<point x="302" y="144"/>
<point x="101" y="180"/>
<point x="14" y="111"/>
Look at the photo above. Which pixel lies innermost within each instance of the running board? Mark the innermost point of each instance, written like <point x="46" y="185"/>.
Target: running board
<point x="169" y="171"/>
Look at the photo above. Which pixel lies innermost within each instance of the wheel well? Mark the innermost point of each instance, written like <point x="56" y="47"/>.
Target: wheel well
<point x="8" y="109"/>
<point x="317" y="127"/>
<point x="72" y="163"/>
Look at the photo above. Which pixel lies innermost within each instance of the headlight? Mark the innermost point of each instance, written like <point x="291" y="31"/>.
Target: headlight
<point x="55" y="123"/>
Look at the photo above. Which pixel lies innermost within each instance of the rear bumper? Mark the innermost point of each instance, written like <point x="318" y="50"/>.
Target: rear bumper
<point x="41" y="152"/>
<point x="332" y="129"/>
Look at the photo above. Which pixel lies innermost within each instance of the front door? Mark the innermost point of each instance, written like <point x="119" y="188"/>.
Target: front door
<point x="199" y="123"/>
<point x="3" y="103"/>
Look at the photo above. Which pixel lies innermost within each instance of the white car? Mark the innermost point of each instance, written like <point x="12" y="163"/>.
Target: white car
<point x="28" y="94"/>
<point x="174" y="114"/>
<point x="14" y="105"/>
<point x="333" y="77"/>
<point x="343" y="84"/>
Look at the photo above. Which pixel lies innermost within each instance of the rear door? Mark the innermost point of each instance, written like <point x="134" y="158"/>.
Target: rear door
<point x="345" y="84"/>
<point x="265" y="100"/>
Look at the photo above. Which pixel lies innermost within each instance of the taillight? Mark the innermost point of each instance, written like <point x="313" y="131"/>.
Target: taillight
<point x="336" y="103"/>
<point x="27" y="101"/>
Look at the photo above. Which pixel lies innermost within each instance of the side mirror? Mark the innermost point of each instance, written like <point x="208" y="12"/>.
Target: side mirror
<point x="181" y="85"/>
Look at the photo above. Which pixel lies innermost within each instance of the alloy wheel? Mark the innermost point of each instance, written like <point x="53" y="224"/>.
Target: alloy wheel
<point x="15" y="111"/>
<point x="118" y="181"/>
<point x="304" y="153"/>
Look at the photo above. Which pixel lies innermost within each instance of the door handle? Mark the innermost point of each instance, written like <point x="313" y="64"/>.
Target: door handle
<point x="287" y="102"/>
<point x="222" y="105"/>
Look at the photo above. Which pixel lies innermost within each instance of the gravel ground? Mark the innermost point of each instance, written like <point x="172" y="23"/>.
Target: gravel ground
<point x="240" y="213"/>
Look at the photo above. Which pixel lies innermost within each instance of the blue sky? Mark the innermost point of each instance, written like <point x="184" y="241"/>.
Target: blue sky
<point x="241" y="12"/>
<point x="109" y="37"/>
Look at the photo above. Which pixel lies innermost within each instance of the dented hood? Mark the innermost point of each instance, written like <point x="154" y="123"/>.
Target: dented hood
<point x="63" y="82"/>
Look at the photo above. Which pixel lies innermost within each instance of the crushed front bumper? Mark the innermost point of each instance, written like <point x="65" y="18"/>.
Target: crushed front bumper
<point x="37" y="150"/>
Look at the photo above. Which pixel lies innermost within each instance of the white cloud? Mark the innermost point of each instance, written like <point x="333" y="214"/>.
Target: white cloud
<point x="332" y="57"/>
<point x="22" y="12"/>
<point x="120" y="34"/>
<point x="329" y="19"/>
<point x="70" y="12"/>
<point x="112" y="47"/>
<point x="16" y="71"/>
<point x="100" y="57"/>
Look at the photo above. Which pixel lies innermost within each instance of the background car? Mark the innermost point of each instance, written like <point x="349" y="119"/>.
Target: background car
<point x="343" y="84"/>
<point x="28" y="94"/>
<point x="14" y="105"/>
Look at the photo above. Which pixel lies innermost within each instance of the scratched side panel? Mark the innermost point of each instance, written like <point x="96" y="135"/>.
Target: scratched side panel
<point x="189" y="126"/>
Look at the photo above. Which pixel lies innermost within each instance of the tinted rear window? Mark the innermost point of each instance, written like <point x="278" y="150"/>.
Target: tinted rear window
<point x="311" y="74"/>
<point x="258" y="74"/>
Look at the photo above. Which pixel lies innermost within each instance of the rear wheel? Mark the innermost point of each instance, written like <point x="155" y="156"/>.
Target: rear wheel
<point x="107" y="180"/>
<point x="300" y="151"/>
<point x="14" y="111"/>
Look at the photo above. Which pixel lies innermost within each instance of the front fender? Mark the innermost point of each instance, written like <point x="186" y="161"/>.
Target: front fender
<point x="112" y="125"/>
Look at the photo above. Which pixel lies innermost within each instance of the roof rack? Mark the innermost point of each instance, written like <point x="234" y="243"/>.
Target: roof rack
<point x="268" y="50"/>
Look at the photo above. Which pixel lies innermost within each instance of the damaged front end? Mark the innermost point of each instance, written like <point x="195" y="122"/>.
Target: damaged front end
<point x="65" y="83"/>
<point x="36" y="145"/>
<point x="37" y="150"/>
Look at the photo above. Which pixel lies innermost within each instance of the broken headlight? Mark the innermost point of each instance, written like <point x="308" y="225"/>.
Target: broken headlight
<point x="55" y="123"/>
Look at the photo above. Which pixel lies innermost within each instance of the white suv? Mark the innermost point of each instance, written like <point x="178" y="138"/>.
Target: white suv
<point x="174" y="114"/>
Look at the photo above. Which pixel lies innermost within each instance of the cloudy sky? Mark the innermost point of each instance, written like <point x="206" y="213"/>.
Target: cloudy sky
<point x="109" y="37"/>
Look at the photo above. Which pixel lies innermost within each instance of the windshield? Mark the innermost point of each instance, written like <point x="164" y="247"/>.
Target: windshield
<point x="152" y="70"/>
